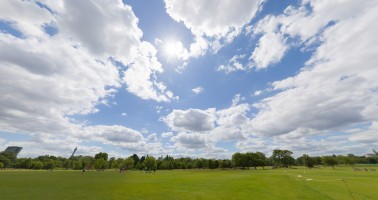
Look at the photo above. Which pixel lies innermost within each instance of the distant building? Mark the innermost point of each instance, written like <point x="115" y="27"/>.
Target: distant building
<point x="13" y="149"/>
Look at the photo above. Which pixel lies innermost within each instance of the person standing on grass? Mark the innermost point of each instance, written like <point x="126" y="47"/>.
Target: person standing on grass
<point x="83" y="171"/>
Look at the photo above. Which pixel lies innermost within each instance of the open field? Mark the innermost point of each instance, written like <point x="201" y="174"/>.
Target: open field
<point x="326" y="183"/>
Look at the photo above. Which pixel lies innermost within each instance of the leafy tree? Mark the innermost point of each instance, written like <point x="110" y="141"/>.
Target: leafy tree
<point x="261" y="159"/>
<point x="224" y="164"/>
<point x="329" y="161"/>
<point x="136" y="159"/>
<point x="150" y="163"/>
<point x="101" y="155"/>
<point x="1" y="165"/>
<point x="307" y="161"/>
<point x="255" y="159"/>
<point x="23" y="163"/>
<point x="238" y="160"/>
<point x="87" y="162"/>
<point x="49" y="164"/>
<point x="68" y="164"/>
<point x="36" y="164"/>
<point x="128" y="163"/>
<point x="282" y="158"/>
<point x="141" y="160"/>
<point x="100" y="163"/>
<point x="5" y="160"/>
<point x="9" y="155"/>
<point x="77" y="164"/>
<point x="113" y="163"/>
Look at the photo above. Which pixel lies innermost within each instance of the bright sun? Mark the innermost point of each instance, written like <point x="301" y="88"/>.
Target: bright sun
<point x="172" y="49"/>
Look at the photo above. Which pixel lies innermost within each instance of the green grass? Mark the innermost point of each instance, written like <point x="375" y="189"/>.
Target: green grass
<point x="326" y="183"/>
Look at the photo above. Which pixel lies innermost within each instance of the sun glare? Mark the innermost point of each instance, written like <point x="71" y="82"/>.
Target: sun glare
<point x="172" y="48"/>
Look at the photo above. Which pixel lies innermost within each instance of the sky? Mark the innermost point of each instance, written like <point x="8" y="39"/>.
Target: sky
<point x="188" y="78"/>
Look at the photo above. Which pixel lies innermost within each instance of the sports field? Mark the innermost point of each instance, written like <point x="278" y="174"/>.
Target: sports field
<point x="321" y="183"/>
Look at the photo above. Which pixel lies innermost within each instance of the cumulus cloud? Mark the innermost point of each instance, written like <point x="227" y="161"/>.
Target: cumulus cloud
<point x="198" y="15"/>
<point x="191" y="120"/>
<point x="114" y="134"/>
<point x="367" y="136"/>
<point x="303" y="24"/>
<point x="41" y="87"/>
<point x="237" y="98"/>
<point x="257" y="93"/>
<point x="166" y="134"/>
<point x="185" y="141"/>
<point x="140" y="76"/>
<point x="197" y="90"/>
<point x="264" y="55"/>
<point x="208" y="127"/>
<point x="209" y="31"/>
<point x="25" y="16"/>
<point x="48" y="79"/>
<point x="336" y="88"/>
<point x="105" y="29"/>
<point x="234" y="64"/>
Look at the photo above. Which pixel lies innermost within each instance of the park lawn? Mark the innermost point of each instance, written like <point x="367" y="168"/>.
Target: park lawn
<point x="301" y="183"/>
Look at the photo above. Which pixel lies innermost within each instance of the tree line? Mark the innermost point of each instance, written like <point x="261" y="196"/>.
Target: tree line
<point x="101" y="161"/>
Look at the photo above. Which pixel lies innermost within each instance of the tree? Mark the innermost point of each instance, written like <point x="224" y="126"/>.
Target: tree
<point x="307" y="161"/>
<point x="238" y="160"/>
<point x="282" y="158"/>
<point x="329" y="161"/>
<point x="113" y="163"/>
<point x="150" y="163"/>
<point x="261" y="159"/>
<point x="128" y="163"/>
<point x="101" y="155"/>
<point x="100" y="163"/>
<point x="49" y="164"/>
<point x="1" y="166"/>
<point x="36" y="164"/>
<point x="136" y="159"/>
<point x="5" y="160"/>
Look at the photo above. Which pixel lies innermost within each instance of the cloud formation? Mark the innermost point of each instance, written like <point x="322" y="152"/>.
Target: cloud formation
<point x="336" y="88"/>
<point x="210" y="31"/>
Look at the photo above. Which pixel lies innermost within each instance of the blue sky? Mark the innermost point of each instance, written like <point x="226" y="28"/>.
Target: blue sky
<point x="188" y="78"/>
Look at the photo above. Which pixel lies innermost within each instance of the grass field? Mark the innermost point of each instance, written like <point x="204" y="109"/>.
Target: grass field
<point x="326" y="183"/>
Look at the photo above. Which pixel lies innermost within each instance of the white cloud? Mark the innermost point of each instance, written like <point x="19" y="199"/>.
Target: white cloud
<point x="152" y="137"/>
<point x="231" y="123"/>
<point x="41" y="87"/>
<point x="106" y="29"/>
<point x="124" y="114"/>
<point x="197" y="90"/>
<point x="140" y="76"/>
<point x="192" y="120"/>
<point x="209" y="31"/>
<point x="301" y="24"/>
<point x="158" y="109"/>
<point x="264" y="55"/>
<point x="114" y="134"/>
<point x="46" y="80"/>
<point x="368" y="136"/>
<point x="198" y="15"/>
<point x="25" y="16"/>
<point x="234" y="64"/>
<point x="192" y="141"/>
<point x="257" y="93"/>
<point x="207" y="127"/>
<point x="166" y="134"/>
<point x="337" y="87"/>
<point x="237" y="98"/>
